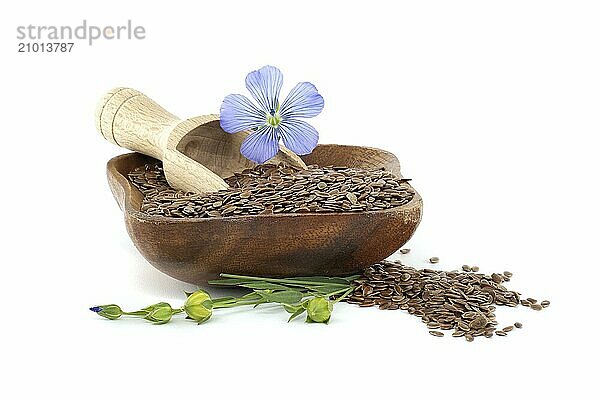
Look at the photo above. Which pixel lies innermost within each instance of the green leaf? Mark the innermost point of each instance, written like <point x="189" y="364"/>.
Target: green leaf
<point x="291" y="308"/>
<point x="261" y="301"/>
<point x="262" y="293"/>
<point x="263" y="285"/>
<point x="304" y="282"/>
<point x="296" y="313"/>
<point x="224" y="299"/>
<point x="285" y="297"/>
<point x="325" y="280"/>
<point x="229" y="281"/>
<point x="326" y="289"/>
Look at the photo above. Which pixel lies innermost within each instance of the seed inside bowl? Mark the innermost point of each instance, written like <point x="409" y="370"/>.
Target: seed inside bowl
<point x="275" y="189"/>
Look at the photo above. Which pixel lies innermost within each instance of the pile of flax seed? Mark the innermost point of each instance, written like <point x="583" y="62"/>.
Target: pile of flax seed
<point x="463" y="301"/>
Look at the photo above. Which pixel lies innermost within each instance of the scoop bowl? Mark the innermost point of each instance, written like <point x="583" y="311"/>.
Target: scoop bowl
<point x="195" y="250"/>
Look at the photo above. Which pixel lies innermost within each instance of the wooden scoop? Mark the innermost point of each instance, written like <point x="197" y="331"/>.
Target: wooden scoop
<point x="196" y="153"/>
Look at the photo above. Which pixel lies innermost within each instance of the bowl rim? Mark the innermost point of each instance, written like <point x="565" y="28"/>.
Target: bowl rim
<point x="129" y="188"/>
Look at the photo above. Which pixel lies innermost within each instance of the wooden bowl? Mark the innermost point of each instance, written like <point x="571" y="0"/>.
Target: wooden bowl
<point x="198" y="249"/>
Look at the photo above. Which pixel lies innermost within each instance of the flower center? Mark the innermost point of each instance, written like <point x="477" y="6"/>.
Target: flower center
<point x="274" y="120"/>
<point x="273" y="117"/>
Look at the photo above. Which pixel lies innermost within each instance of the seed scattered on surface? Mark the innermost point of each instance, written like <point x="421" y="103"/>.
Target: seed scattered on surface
<point x="507" y="274"/>
<point x="436" y="333"/>
<point x="545" y="303"/>
<point x="518" y="325"/>
<point x="404" y="251"/>
<point x="434" y="260"/>
<point x="464" y="302"/>
<point x="479" y="322"/>
<point x="275" y="189"/>
<point x="466" y="268"/>
<point x="475" y="269"/>
<point x="531" y="300"/>
<point x="352" y="197"/>
<point x="536" y="307"/>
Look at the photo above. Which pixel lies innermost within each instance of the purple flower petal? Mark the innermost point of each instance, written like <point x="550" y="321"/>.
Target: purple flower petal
<point x="264" y="85"/>
<point x="298" y="136"/>
<point x="262" y="145"/>
<point x="238" y="113"/>
<point x="303" y="101"/>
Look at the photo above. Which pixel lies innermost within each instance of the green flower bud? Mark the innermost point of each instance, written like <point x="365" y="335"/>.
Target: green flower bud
<point x="159" y="313"/>
<point x="110" y="311"/>
<point x="198" y="306"/>
<point x="318" y="310"/>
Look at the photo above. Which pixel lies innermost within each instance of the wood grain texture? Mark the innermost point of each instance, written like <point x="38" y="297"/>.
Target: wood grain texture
<point x="108" y="107"/>
<point x="141" y="125"/>
<point x="132" y="120"/>
<point x="195" y="250"/>
<point x="355" y="156"/>
<point x="203" y="140"/>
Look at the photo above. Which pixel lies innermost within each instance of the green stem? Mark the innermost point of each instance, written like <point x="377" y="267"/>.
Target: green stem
<point x="283" y="281"/>
<point x="219" y="306"/>
<point x="142" y="313"/>
<point x="136" y="313"/>
<point x="338" y="291"/>
<point x="350" y="290"/>
<point x="227" y="300"/>
<point x="240" y="303"/>
<point x="247" y="299"/>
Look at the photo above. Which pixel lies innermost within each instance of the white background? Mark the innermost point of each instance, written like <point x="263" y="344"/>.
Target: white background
<point x="491" y="107"/>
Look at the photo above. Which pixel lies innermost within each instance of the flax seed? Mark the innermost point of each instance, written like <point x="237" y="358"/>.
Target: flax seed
<point x="268" y="188"/>
<point x="464" y="302"/>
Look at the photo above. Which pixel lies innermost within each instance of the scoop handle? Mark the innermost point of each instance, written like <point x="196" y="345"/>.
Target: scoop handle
<point x="130" y="119"/>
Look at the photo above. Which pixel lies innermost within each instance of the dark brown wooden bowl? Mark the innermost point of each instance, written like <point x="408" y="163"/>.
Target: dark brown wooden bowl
<point x="198" y="249"/>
